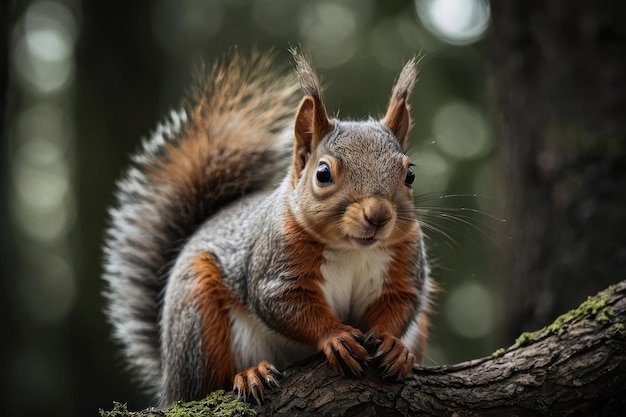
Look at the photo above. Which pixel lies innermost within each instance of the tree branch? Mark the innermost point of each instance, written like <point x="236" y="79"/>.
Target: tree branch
<point x="576" y="366"/>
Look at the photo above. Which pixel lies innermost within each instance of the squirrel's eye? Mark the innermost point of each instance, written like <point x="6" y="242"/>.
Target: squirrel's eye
<point x="323" y="173"/>
<point x="410" y="176"/>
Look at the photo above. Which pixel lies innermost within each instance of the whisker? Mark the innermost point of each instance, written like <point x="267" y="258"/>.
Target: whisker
<point x="431" y="359"/>
<point x="469" y="223"/>
<point x="459" y="214"/>
<point x="475" y="225"/>
<point x="435" y="196"/>
<point x="449" y="214"/>
<point x="449" y="240"/>
<point x="473" y="222"/>
<point x="466" y="209"/>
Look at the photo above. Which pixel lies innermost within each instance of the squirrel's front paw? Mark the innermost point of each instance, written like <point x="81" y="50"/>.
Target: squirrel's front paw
<point x="345" y="352"/>
<point x="252" y="382"/>
<point x="391" y="356"/>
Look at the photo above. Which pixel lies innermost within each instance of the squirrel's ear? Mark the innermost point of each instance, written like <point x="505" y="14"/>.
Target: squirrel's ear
<point x="312" y="122"/>
<point x="310" y="127"/>
<point x="397" y="118"/>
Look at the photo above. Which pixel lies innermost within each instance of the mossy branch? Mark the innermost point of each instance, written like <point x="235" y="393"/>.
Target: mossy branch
<point x="575" y="366"/>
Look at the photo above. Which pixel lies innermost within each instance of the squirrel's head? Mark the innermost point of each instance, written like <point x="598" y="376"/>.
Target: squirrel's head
<point x="353" y="180"/>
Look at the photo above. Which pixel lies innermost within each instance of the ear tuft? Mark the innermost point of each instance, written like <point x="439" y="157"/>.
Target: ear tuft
<point x="406" y="80"/>
<point x="309" y="81"/>
<point x="312" y="122"/>
<point x="397" y="118"/>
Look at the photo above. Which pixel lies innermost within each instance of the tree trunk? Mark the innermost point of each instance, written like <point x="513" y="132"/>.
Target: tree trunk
<point x="574" y="367"/>
<point x="7" y="270"/>
<point x="559" y="73"/>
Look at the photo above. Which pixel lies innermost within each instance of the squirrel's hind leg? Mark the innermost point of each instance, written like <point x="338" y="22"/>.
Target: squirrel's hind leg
<point x="252" y="382"/>
<point x="197" y="349"/>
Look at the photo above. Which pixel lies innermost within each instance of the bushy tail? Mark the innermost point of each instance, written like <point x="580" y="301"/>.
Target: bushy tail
<point x="226" y="143"/>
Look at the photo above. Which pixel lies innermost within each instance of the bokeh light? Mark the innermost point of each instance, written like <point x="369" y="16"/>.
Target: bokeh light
<point x="41" y="174"/>
<point x="43" y="54"/>
<point x="461" y="131"/>
<point x="471" y="311"/>
<point x="458" y="22"/>
<point x="42" y="200"/>
<point x="329" y="31"/>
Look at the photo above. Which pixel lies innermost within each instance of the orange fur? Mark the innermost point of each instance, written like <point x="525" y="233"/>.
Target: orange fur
<point x="213" y="301"/>
<point x="392" y="312"/>
<point x="398" y="120"/>
<point x="204" y="161"/>
<point x="312" y="318"/>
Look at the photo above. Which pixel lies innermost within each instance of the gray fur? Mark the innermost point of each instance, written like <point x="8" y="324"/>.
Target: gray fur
<point x="131" y="269"/>
<point x="154" y="216"/>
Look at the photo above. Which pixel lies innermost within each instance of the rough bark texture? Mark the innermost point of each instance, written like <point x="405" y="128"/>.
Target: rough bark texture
<point x="559" y="77"/>
<point x="575" y="367"/>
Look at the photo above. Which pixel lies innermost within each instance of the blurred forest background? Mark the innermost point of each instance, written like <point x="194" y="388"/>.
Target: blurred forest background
<point x="88" y="80"/>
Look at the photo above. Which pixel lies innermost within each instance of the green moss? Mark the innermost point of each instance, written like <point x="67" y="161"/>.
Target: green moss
<point x="527" y="338"/>
<point x="618" y="330"/>
<point x="498" y="353"/>
<point x="119" y="410"/>
<point x="218" y="404"/>
<point x="595" y="307"/>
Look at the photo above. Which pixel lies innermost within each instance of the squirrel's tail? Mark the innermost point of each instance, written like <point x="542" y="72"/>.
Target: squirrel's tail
<point x="227" y="143"/>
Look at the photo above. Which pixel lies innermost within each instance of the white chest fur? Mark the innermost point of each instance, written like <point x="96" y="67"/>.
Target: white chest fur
<point x="353" y="279"/>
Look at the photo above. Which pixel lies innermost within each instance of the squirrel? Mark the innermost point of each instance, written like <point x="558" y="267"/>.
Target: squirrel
<point x="216" y="277"/>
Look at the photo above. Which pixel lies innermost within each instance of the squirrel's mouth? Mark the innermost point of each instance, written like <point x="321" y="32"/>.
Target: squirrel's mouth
<point x="362" y="241"/>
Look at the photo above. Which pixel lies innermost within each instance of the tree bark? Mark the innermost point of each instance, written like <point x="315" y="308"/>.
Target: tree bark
<point x="559" y="77"/>
<point x="574" y="367"/>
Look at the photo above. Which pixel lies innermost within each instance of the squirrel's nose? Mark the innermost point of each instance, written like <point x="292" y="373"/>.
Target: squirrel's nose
<point x="378" y="212"/>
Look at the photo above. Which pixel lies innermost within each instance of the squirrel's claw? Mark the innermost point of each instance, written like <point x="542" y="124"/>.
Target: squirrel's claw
<point x="272" y="382"/>
<point x="345" y="352"/>
<point x="252" y="382"/>
<point x="369" y="338"/>
<point x="393" y="357"/>
<point x="257" y="392"/>
<point x="270" y="367"/>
